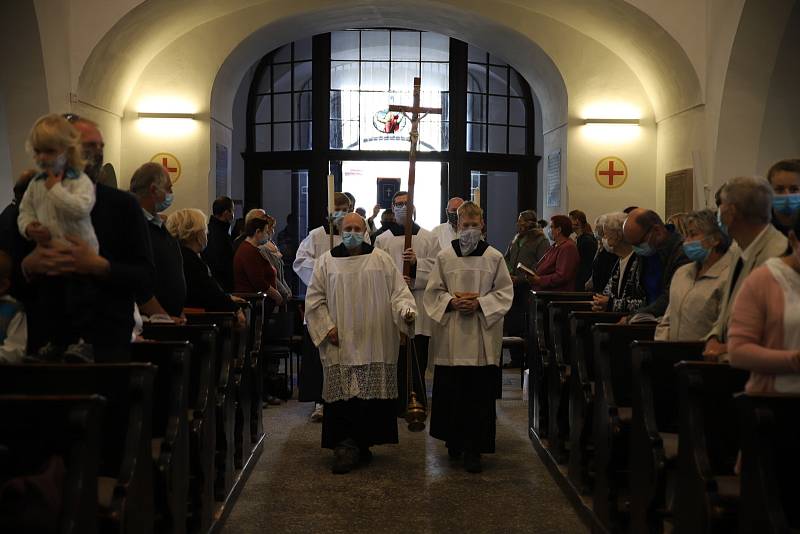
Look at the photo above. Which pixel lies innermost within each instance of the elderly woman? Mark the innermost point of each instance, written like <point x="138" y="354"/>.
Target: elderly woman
<point x="624" y="291"/>
<point x="764" y="334"/>
<point x="696" y="291"/>
<point x="557" y="269"/>
<point x="272" y="254"/>
<point x="604" y="261"/>
<point x="189" y="227"/>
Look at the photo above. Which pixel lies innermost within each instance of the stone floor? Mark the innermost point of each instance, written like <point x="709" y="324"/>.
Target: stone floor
<point x="409" y="487"/>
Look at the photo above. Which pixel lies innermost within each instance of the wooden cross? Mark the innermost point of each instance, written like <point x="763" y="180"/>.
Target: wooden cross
<point x="415" y="112"/>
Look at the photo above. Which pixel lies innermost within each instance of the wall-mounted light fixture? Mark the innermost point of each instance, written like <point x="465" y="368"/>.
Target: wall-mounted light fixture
<point x="143" y="115"/>
<point x="612" y="121"/>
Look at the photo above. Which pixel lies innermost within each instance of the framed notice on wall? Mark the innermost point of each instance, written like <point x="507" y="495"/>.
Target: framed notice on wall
<point x="679" y="192"/>
<point x="221" y="173"/>
<point x="553" y="180"/>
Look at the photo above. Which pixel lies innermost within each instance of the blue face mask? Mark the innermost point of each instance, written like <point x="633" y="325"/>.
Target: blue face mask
<point x="264" y="240"/>
<point x="337" y="216"/>
<point x="645" y="249"/>
<point x="352" y="240"/>
<point x="400" y="213"/>
<point x="786" y="204"/>
<point x="695" y="251"/>
<point x="722" y="226"/>
<point x="164" y="204"/>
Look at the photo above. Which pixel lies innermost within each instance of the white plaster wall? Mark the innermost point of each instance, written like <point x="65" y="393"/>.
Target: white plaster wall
<point x="677" y="138"/>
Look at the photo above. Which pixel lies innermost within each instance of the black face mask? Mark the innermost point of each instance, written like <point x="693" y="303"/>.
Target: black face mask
<point x="94" y="162"/>
<point x="452" y="218"/>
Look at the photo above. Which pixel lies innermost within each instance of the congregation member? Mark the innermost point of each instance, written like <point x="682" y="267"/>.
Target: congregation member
<point x="119" y="270"/>
<point x="557" y="269"/>
<point x="697" y="287"/>
<point x="421" y="255"/>
<point x="784" y="177"/>
<point x="446" y="232"/>
<point x="189" y="227"/>
<point x="603" y="262"/>
<point x="252" y="272"/>
<point x="272" y="253"/>
<point x="316" y="243"/>
<point x="287" y="243"/>
<point x="255" y="212"/>
<point x="11" y="241"/>
<point x="468" y="293"/>
<point x="661" y="254"/>
<point x="527" y="247"/>
<point x="13" y="322"/>
<point x="219" y="252"/>
<point x="371" y="219"/>
<point x="352" y="200"/>
<point x="357" y="305"/>
<point x="57" y="204"/>
<point x="744" y="214"/>
<point x="764" y="333"/>
<point x="151" y="186"/>
<point x="387" y="217"/>
<point x="624" y="291"/>
<point x="587" y="247"/>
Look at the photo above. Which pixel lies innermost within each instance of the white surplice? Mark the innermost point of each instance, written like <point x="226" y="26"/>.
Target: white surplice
<point x="445" y="233"/>
<point x="365" y="298"/>
<point x="475" y="339"/>
<point x="425" y="246"/>
<point x="312" y="247"/>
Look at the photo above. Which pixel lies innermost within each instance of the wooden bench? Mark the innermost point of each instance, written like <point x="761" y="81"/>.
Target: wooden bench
<point x="612" y="417"/>
<point x="581" y="400"/>
<point x="170" y="429"/>
<point x="538" y="354"/>
<point x="125" y="482"/>
<point x="707" y="490"/>
<point x="37" y="430"/>
<point x="559" y="374"/>
<point x="770" y="464"/>
<point x="201" y="415"/>
<point x="261" y="309"/>
<point x="654" y="429"/>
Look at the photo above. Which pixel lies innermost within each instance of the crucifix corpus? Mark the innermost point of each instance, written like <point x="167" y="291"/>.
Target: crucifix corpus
<point x="415" y="411"/>
<point x="417" y="114"/>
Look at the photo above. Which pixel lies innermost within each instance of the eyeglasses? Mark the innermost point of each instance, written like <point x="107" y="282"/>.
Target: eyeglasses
<point x="400" y="204"/>
<point x="71" y="117"/>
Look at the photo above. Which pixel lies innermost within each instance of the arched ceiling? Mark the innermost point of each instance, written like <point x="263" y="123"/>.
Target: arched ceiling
<point x="662" y="66"/>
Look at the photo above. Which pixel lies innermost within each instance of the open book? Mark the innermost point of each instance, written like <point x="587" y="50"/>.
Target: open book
<point x="528" y="270"/>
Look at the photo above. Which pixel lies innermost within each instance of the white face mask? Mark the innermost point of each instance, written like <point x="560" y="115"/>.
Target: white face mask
<point x="468" y="239"/>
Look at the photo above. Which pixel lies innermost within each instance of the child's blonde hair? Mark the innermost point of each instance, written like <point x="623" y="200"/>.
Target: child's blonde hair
<point x="55" y="132"/>
<point x="185" y="223"/>
<point x="470" y="209"/>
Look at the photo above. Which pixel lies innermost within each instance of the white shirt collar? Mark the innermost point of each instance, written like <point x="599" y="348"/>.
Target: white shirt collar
<point x="153" y="219"/>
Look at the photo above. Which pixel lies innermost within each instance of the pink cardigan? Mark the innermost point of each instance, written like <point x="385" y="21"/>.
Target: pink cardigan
<point x="755" y="335"/>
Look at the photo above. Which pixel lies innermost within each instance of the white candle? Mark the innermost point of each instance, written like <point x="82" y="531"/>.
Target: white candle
<point x="331" y="203"/>
<point x="476" y="197"/>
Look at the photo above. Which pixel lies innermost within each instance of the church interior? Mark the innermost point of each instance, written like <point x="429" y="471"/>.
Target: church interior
<point x="627" y="396"/>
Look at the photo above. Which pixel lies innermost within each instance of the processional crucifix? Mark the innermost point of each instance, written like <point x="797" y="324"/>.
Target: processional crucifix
<point x="415" y="414"/>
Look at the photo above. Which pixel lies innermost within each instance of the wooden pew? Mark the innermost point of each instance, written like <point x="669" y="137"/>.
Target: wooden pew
<point x="581" y="401"/>
<point x="125" y="482"/>
<point x="559" y="372"/>
<point x="538" y="354"/>
<point x="611" y="425"/>
<point x="170" y="443"/>
<point x="770" y="464"/>
<point x="36" y="429"/>
<point x="228" y="374"/>
<point x="654" y="428"/>
<point x="707" y="490"/>
<point x="202" y="420"/>
<point x="261" y="309"/>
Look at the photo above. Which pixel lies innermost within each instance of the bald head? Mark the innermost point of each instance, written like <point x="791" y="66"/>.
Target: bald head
<point x="353" y="222"/>
<point x="454" y="203"/>
<point x="643" y="225"/>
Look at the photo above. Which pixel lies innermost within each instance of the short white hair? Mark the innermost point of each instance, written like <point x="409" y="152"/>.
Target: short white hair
<point x="612" y="223"/>
<point x="255" y="213"/>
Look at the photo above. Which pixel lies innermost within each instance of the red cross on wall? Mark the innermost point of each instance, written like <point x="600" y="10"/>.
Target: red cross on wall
<point x="611" y="173"/>
<point x="169" y="169"/>
<point x="170" y="163"/>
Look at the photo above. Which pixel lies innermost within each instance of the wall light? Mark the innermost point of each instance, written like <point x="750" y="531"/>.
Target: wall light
<point x="166" y="115"/>
<point x="610" y="121"/>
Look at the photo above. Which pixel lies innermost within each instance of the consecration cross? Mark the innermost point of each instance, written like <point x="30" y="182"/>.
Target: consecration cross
<point x="417" y="114"/>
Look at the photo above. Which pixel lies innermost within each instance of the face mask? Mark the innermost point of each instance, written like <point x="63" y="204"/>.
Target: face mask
<point x="164" y="204"/>
<point x="452" y="218"/>
<point x="786" y="204"/>
<point x="400" y="214"/>
<point x="468" y="239"/>
<point x="352" y="240"/>
<point x="606" y="246"/>
<point x="645" y="249"/>
<point x="337" y="216"/>
<point x="722" y="226"/>
<point x="695" y="251"/>
<point x="549" y="233"/>
<point x="94" y="163"/>
<point x="264" y="240"/>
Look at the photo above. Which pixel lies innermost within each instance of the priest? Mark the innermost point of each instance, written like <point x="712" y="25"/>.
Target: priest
<point x="467" y="295"/>
<point x="446" y="231"/>
<point x="421" y="255"/>
<point x="316" y="243"/>
<point x="357" y="306"/>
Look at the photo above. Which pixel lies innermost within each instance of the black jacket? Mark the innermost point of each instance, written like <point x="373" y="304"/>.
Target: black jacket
<point x="202" y="290"/>
<point x="219" y="252"/>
